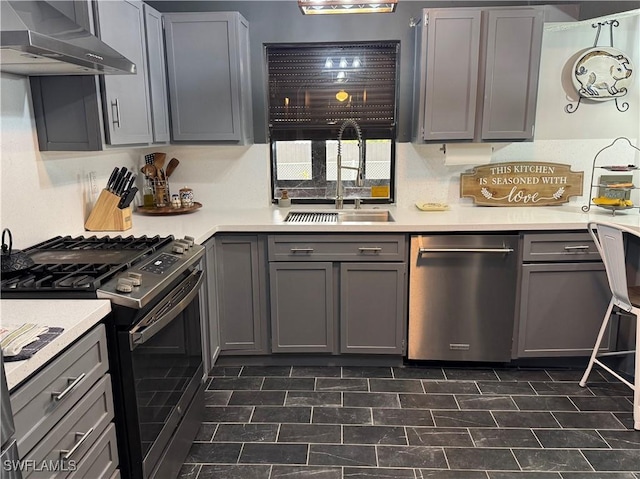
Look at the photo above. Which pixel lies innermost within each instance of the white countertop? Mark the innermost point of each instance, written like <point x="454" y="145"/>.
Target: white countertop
<point x="207" y="221"/>
<point x="75" y="316"/>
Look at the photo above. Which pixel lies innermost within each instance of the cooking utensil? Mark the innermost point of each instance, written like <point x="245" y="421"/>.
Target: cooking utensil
<point x="173" y="164"/>
<point x="149" y="170"/>
<point x="158" y="160"/>
<point x="13" y="261"/>
<point x="148" y="159"/>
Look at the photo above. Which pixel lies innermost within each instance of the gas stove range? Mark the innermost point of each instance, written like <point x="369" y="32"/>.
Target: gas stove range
<point x="130" y="271"/>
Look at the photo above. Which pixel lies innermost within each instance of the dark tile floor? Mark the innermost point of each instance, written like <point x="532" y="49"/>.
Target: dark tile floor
<point x="415" y="423"/>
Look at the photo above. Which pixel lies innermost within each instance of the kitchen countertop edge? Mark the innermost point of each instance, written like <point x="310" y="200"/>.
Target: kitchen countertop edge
<point x="75" y="316"/>
<point x="208" y="221"/>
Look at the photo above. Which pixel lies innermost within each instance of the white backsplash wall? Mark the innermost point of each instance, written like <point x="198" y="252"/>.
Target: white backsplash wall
<point x="223" y="176"/>
<point x="44" y="194"/>
<point x="423" y="176"/>
<point x="48" y="194"/>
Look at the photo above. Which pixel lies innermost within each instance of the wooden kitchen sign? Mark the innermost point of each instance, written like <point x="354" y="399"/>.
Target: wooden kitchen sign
<point x="521" y="184"/>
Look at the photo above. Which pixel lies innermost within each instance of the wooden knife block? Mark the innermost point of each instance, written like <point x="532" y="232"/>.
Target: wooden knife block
<point x="106" y="216"/>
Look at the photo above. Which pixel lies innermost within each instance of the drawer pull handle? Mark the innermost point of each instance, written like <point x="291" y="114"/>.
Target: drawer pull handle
<point x="67" y="453"/>
<point x="60" y="396"/>
<point x="577" y="248"/>
<point x="301" y="250"/>
<point x="375" y="249"/>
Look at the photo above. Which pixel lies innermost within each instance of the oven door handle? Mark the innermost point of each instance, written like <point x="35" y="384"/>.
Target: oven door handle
<point x="157" y="319"/>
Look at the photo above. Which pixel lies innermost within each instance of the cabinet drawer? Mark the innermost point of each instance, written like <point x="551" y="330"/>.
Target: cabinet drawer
<point x="336" y="248"/>
<point x="559" y="247"/>
<point x="50" y="394"/>
<point x="74" y="435"/>
<point x="102" y="458"/>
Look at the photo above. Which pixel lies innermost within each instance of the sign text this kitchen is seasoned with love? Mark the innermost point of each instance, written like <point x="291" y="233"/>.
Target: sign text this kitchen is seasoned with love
<point x="521" y="184"/>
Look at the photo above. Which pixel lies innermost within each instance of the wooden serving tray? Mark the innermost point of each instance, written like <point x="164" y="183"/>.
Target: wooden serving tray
<point x="167" y="210"/>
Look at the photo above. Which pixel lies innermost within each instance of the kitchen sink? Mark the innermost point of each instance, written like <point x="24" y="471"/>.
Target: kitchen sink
<point x="339" y="217"/>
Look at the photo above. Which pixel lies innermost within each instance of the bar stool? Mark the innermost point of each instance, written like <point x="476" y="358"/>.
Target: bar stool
<point x="610" y="243"/>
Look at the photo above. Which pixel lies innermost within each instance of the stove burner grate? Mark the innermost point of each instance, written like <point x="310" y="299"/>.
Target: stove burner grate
<point x="79" y="264"/>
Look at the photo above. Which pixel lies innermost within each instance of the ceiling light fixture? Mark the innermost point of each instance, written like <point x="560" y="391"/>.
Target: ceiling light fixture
<point x="324" y="7"/>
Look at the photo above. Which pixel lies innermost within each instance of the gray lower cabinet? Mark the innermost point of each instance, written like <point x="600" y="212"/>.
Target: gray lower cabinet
<point x="209" y="308"/>
<point x="477" y="73"/>
<point x="209" y="78"/>
<point x="90" y="113"/>
<point x="66" y="411"/>
<point x="337" y="294"/>
<point x="372" y="308"/>
<point x="242" y="293"/>
<point x="302" y="307"/>
<point x="563" y="296"/>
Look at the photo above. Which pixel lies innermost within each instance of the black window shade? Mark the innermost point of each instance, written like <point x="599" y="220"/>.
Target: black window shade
<point x="321" y="85"/>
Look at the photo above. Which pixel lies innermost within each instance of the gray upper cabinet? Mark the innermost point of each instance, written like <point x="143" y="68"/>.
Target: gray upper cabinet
<point x="125" y="97"/>
<point x="450" y="82"/>
<point x="157" y="75"/>
<point x="477" y="74"/>
<point x="209" y="78"/>
<point x="89" y="113"/>
<point x="514" y="45"/>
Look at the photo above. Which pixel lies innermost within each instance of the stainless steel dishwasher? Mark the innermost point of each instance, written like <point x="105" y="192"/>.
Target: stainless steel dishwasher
<point x="462" y="294"/>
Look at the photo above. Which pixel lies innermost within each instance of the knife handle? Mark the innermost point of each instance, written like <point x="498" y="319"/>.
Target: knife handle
<point x="128" y="198"/>
<point x="112" y="179"/>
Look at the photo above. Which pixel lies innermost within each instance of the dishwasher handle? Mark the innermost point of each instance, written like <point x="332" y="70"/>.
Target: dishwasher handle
<point x="503" y="250"/>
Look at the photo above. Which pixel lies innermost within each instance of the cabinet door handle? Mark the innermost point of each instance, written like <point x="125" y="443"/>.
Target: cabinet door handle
<point x="374" y="249"/>
<point x="67" y="453"/>
<point x="576" y="248"/>
<point x="116" y="112"/>
<point x="301" y="250"/>
<point x="60" y="396"/>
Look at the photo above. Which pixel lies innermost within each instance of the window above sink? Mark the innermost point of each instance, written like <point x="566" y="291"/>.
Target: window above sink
<point x="313" y="89"/>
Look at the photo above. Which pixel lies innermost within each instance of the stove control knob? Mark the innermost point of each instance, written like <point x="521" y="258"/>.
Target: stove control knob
<point x="135" y="278"/>
<point x="178" y="249"/>
<point x="184" y="244"/>
<point x="190" y="240"/>
<point x="124" y="285"/>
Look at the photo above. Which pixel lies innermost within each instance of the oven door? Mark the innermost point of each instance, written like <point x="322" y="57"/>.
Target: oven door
<point x="164" y="350"/>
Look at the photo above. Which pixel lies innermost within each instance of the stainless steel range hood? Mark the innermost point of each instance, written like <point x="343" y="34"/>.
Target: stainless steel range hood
<point x="37" y="39"/>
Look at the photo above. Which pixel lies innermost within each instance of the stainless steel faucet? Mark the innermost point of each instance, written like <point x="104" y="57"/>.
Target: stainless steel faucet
<point x="359" y="168"/>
